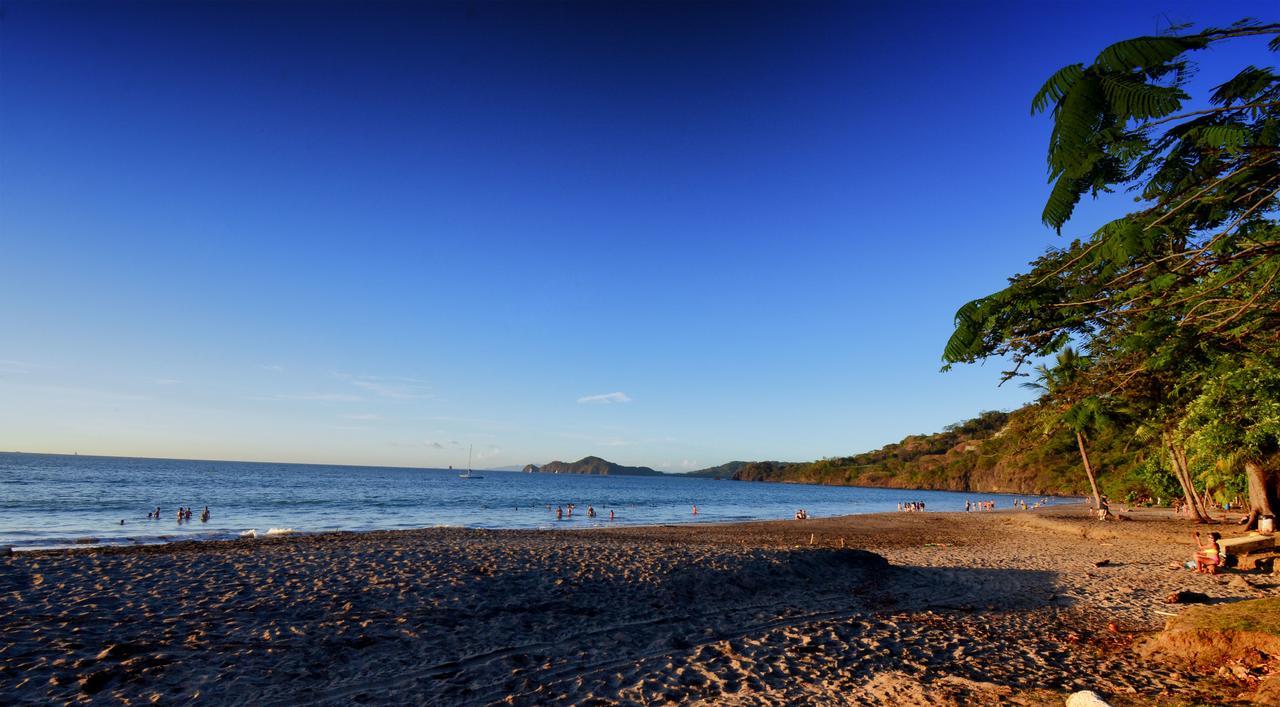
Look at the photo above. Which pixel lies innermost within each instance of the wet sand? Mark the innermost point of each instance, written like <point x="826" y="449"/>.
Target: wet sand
<point x="911" y="608"/>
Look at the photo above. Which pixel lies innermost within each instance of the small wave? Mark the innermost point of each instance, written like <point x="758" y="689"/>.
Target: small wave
<point x="280" y="531"/>
<point x="250" y="533"/>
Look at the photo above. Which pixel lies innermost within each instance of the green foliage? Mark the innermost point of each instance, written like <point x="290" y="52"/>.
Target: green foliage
<point x="1153" y="475"/>
<point x="1237" y="414"/>
<point x="1177" y="302"/>
<point x="1146" y="52"/>
<point x="1056" y="87"/>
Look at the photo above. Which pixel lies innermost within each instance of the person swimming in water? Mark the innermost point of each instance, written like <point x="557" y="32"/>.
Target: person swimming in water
<point x="204" y="515"/>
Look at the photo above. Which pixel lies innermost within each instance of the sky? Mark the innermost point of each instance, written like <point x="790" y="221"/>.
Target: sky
<point x="667" y="234"/>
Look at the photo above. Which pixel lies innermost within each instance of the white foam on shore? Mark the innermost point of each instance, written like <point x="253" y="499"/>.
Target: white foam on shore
<point x="250" y="533"/>
<point x="280" y="531"/>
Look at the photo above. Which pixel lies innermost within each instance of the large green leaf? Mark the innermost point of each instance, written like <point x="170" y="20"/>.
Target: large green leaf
<point x="1146" y="52"/>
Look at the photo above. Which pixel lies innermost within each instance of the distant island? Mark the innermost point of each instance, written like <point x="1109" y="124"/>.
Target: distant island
<point x="594" y="466"/>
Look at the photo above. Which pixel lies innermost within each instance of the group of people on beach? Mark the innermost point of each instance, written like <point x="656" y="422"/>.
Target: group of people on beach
<point x="979" y="505"/>
<point x="184" y="515"/>
<point x="911" y="507"/>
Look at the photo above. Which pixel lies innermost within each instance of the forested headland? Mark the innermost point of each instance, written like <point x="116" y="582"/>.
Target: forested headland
<point x="993" y="452"/>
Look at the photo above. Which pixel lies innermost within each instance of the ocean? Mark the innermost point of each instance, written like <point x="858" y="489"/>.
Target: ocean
<point x="58" y="501"/>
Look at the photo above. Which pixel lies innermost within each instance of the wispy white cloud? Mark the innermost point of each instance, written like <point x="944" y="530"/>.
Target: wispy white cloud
<point x="394" y="387"/>
<point x="18" y="367"/>
<point x="605" y="398"/>
<point x="441" y="445"/>
<point x="318" y="397"/>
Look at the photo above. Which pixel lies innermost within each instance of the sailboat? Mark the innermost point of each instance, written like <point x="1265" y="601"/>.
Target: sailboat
<point x="467" y="474"/>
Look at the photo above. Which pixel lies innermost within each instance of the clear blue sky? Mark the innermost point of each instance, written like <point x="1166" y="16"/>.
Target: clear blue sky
<point x="666" y="234"/>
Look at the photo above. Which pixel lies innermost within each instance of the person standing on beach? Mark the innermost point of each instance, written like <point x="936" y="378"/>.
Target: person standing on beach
<point x="611" y="514"/>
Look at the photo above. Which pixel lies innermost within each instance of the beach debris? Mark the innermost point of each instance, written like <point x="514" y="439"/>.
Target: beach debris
<point x="812" y="537"/>
<point x="1186" y="597"/>
<point x="1086" y="698"/>
<point x="1102" y="563"/>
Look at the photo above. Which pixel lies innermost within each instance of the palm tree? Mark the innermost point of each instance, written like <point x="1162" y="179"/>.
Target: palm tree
<point x="1078" y="416"/>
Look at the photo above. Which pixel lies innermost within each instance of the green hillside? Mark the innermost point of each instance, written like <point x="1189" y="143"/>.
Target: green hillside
<point x="996" y="451"/>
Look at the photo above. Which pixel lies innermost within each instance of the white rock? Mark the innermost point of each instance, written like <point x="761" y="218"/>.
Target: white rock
<point x="1086" y="698"/>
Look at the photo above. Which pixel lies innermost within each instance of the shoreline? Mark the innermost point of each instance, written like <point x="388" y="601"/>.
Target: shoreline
<point x="915" y="608"/>
<point x="90" y="540"/>
<point x="232" y="537"/>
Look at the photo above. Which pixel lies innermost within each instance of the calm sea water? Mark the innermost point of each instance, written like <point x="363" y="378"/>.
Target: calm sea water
<point x="53" y="501"/>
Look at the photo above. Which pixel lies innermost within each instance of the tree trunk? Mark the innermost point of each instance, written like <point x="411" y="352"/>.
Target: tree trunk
<point x="1264" y="491"/>
<point x="1088" y="470"/>
<point x="1183" y="475"/>
<point x="1202" y="511"/>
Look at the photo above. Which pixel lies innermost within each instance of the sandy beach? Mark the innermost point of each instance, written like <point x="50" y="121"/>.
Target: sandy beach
<point x="923" y="608"/>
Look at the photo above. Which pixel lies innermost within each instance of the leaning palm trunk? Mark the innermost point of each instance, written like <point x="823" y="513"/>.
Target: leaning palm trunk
<point x="1202" y="509"/>
<point x="1264" y="482"/>
<point x="1183" y="475"/>
<point x="1088" y="470"/>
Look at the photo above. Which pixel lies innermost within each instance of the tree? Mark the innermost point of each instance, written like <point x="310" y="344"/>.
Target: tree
<point x="1195" y="269"/>
<point x="1236" y="422"/>
<point x="1080" y="415"/>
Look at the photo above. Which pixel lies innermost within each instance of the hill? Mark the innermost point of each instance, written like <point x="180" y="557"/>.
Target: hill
<point x="993" y="452"/>
<point x="594" y="466"/>
<point x="724" y="471"/>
